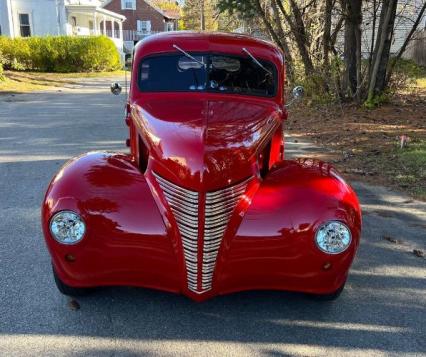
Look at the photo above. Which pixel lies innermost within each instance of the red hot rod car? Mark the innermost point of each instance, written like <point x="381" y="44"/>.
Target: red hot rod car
<point x="205" y="203"/>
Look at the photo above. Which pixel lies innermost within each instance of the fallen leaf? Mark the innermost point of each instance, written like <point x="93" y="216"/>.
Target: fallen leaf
<point x="391" y="239"/>
<point x="73" y="304"/>
<point x="418" y="253"/>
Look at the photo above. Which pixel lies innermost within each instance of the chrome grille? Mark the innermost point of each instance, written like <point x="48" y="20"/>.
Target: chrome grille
<point x="218" y="211"/>
<point x="219" y="206"/>
<point x="184" y="205"/>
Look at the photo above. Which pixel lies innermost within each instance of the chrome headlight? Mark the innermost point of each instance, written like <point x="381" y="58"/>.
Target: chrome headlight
<point x="333" y="237"/>
<point x="67" y="227"/>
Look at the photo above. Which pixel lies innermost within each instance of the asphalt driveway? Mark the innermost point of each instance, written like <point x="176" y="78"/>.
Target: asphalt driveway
<point x="381" y="312"/>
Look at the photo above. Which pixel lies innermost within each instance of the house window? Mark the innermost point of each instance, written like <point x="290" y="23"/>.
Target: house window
<point x="170" y="26"/>
<point x="144" y="26"/>
<point x="24" y="25"/>
<point x="74" y="25"/>
<point x="128" y="4"/>
<point x="116" y="30"/>
<point x="91" y="27"/>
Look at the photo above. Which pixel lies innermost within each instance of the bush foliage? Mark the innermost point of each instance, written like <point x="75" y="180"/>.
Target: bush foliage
<point x="1" y="69"/>
<point x="60" y="54"/>
<point x="1" y="65"/>
<point x="324" y="87"/>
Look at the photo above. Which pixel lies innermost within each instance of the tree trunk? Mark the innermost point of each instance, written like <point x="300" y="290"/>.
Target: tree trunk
<point x="202" y="16"/>
<point x="326" y="38"/>
<point x="352" y="47"/>
<point x="382" y="50"/>
<point x="335" y="33"/>
<point x="373" y="35"/>
<point x="281" y="42"/>
<point x="298" y="30"/>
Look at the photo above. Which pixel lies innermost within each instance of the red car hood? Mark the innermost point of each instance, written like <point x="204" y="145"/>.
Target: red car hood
<point x="205" y="143"/>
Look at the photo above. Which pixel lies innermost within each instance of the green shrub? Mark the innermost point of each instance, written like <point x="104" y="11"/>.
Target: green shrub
<point x="378" y="100"/>
<point x="405" y="74"/>
<point x="1" y="66"/>
<point x="321" y="87"/>
<point x="60" y="54"/>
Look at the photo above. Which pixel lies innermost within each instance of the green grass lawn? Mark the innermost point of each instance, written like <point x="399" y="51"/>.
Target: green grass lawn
<point x="23" y="82"/>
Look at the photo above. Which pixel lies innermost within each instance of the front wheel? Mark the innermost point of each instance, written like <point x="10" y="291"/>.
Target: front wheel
<point x="66" y="289"/>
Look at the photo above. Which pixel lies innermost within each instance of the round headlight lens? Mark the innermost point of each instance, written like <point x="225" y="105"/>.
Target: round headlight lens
<point x="67" y="227"/>
<point x="333" y="237"/>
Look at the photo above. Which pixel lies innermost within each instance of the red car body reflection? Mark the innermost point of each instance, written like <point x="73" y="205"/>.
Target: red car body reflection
<point x="205" y="203"/>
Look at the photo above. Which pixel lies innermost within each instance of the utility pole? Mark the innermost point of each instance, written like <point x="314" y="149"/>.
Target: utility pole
<point x="202" y="19"/>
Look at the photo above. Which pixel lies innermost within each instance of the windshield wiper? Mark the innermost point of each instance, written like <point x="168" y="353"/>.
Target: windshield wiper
<point x="256" y="61"/>
<point x="189" y="56"/>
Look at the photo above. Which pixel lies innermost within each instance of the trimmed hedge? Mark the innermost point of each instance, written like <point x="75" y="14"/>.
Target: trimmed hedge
<point x="1" y="67"/>
<point x="60" y="54"/>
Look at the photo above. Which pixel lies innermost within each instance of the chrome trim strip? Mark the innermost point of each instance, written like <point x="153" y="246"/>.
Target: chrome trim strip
<point x="170" y="185"/>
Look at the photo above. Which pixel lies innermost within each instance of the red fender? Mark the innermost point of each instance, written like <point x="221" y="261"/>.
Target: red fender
<point x="126" y="241"/>
<point x="269" y="243"/>
<point x="274" y="245"/>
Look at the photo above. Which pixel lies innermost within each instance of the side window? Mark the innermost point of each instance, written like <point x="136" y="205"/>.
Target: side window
<point x="24" y="25"/>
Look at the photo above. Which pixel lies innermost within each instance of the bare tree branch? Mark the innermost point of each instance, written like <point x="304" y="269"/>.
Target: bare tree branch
<point x="407" y="40"/>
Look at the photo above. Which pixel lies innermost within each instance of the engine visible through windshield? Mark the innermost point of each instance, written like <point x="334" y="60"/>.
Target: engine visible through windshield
<point x="212" y="72"/>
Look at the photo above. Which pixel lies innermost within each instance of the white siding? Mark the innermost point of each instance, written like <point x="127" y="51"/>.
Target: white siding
<point x="5" y="20"/>
<point x="47" y="17"/>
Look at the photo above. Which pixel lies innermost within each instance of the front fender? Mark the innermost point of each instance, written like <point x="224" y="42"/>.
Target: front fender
<point x="274" y="244"/>
<point x="125" y="239"/>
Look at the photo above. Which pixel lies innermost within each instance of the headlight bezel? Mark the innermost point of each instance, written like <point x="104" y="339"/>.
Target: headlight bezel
<point x="76" y="217"/>
<point x="323" y="226"/>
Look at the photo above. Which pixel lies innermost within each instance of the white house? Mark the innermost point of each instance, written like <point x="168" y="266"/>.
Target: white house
<point x="23" y="18"/>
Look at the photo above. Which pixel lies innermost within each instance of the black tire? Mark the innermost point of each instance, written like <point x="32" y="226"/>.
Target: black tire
<point x="69" y="290"/>
<point x="329" y="297"/>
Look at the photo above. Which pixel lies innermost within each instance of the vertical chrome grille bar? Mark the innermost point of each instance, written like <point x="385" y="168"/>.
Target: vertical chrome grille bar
<point x="184" y="206"/>
<point x="219" y="206"/>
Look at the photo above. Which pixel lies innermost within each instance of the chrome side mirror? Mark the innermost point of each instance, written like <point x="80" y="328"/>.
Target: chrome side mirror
<point x="297" y="94"/>
<point x="115" y="88"/>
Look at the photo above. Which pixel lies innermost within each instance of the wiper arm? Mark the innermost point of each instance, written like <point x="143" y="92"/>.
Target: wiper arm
<point x="189" y="56"/>
<point x="256" y="61"/>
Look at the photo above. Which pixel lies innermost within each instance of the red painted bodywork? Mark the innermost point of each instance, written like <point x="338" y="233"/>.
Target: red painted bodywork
<point x="202" y="142"/>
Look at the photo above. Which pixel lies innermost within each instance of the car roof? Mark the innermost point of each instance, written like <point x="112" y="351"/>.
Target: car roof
<point x="213" y="42"/>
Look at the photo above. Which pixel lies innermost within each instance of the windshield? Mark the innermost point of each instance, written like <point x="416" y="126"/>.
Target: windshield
<point x="223" y="73"/>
